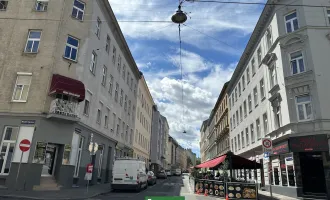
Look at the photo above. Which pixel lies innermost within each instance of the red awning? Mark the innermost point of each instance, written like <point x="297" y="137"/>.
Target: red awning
<point x="65" y="85"/>
<point x="212" y="163"/>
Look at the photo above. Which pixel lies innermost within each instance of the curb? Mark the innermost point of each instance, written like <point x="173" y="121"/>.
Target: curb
<point x="53" y="198"/>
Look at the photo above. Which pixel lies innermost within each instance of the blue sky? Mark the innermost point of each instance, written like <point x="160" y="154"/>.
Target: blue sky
<point x="208" y="59"/>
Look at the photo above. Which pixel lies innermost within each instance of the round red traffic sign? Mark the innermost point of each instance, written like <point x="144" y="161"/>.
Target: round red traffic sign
<point x="267" y="143"/>
<point x="24" y="145"/>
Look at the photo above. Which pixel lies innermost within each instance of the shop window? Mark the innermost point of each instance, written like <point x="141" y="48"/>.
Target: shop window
<point x="284" y="175"/>
<point x="7" y="148"/>
<point x="99" y="170"/>
<point x="276" y="175"/>
<point x="291" y="176"/>
<point x="77" y="147"/>
<point x="270" y="173"/>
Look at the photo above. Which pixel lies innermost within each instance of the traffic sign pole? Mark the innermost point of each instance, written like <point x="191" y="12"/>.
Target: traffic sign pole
<point x="24" y="146"/>
<point x="19" y="168"/>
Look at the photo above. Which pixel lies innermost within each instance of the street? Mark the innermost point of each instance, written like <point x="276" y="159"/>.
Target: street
<point x="172" y="186"/>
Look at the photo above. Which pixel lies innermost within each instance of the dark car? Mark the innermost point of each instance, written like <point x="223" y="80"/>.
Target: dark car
<point x="162" y="174"/>
<point x="152" y="179"/>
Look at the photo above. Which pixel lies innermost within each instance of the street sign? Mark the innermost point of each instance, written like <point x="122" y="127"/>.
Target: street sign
<point x="267" y="145"/>
<point x="89" y="168"/>
<point x="24" y="145"/>
<point x="266" y="156"/>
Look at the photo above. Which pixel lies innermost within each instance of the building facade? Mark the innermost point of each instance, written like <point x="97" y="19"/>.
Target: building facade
<point x="203" y="141"/>
<point x="158" y="137"/>
<point x="278" y="91"/>
<point x="143" y="121"/>
<point x="172" y="146"/>
<point x="192" y="156"/>
<point x="68" y="80"/>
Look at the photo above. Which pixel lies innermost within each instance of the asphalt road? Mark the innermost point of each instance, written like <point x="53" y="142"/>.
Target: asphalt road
<point x="172" y="186"/>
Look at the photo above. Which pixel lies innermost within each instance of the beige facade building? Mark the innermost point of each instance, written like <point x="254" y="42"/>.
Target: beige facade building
<point x="143" y="122"/>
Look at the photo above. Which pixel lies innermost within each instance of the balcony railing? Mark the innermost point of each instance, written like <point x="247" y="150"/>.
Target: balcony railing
<point x="64" y="107"/>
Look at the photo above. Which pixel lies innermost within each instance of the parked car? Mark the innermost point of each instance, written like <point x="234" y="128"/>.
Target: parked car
<point x="168" y="172"/>
<point x="162" y="174"/>
<point x="178" y="172"/>
<point x="152" y="179"/>
<point x="129" y="173"/>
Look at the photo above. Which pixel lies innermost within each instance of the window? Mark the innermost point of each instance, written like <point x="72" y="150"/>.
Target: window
<point x="79" y="152"/>
<point x="239" y="141"/>
<point x="328" y="12"/>
<point x="233" y="99"/>
<point x="243" y="142"/>
<point x="121" y="97"/>
<point x="78" y="10"/>
<point x="277" y="113"/>
<point x="241" y="113"/>
<point x="71" y="48"/>
<point x="231" y="123"/>
<point x="125" y="103"/>
<point x="273" y="77"/>
<point x="243" y="82"/>
<point x="129" y="107"/>
<point x="113" y="121"/>
<point x="104" y="75"/>
<point x="119" y="64"/>
<point x="239" y="89"/>
<point x="253" y="65"/>
<point x="135" y="86"/>
<point x="126" y="134"/>
<point x="269" y="38"/>
<point x="291" y="22"/>
<point x="252" y="133"/>
<point x="7" y="148"/>
<point x="247" y="136"/>
<point x="258" y="128"/>
<point x="118" y="126"/>
<point x="262" y="89"/>
<point x="234" y="121"/>
<point x="131" y="87"/>
<point x="237" y="118"/>
<point x="232" y="145"/>
<point x="22" y="87"/>
<point x="124" y="72"/>
<point x="244" y="108"/>
<point x="107" y="44"/>
<point x="235" y="143"/>
<point x="41" y="5"/>
<point x="255" y="93"/>
<point x="248" y="75"/>
<point x="98" y="27"/>
<point x="131" y="138"/>
<point x="86" y="107"/>
<point x="3" y="5"/>
<point x="98" y="117"/>
<point x="304" y="107"/>
<point x="122" y="133"/>
<point x="106" y="119"/>
<point x="128" y="76"/>
<point x="297" y="63"/>
<point x="116" y="92"/>
<point x="114" y="55"/>
<point x="33" y="41"/>
<point x="110" y="85"/>
<point x="265" y="121"/>
<point x="259" y="54"/>
<point x="99" y="170"/>
<point x="250" y="103"/>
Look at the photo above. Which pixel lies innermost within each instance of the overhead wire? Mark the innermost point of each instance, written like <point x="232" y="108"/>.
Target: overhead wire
<point x="181" y="70"/>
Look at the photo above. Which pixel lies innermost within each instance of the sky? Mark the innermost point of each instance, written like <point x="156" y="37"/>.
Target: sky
<point x="213" y="39"/>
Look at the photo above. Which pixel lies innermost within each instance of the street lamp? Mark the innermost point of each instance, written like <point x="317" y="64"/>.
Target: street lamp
<point x="179" y="17"/>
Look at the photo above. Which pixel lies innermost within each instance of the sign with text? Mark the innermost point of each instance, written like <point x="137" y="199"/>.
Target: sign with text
<point x="280" y="148"/>
<point x="267" y="145"/>
<point x="164" y="198"/>
<point x="309" y="143"/>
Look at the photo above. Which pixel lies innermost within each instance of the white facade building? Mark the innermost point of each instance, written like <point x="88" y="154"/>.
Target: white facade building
<point x="279" y="91"/>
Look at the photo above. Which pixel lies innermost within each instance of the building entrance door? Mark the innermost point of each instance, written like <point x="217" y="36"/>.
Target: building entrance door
<point x="312" y="173"/>
<point x="48" y="167"/>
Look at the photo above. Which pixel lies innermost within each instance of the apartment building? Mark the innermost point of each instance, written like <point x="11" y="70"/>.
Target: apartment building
<point x="221" y="122"/>
<point x="68" y="80"/>
<point x="159" y="134"/>
<point x="192" y="156"/>
<point x="278" y="91"/>
<point x="143" y="121"/>
<point x="172" y="145"/>
<point x="203" y="141"/>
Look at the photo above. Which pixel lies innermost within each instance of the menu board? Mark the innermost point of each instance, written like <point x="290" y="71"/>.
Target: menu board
<point x="219" y="189"/>
<point x="199" y="186"/>
<point x="241" y="191"/>
<point x="210" y="187"/>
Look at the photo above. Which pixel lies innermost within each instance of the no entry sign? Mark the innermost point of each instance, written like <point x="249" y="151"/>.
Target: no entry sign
<point x="24" y="145"/>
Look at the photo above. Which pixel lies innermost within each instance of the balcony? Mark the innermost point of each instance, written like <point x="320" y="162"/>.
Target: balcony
<point x="64" y="109"/>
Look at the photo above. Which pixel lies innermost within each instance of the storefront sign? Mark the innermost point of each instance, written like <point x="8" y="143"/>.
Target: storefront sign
<point x="280" y="148"/>
<point x="28" y="122"/>
<point x="309" y="143"/>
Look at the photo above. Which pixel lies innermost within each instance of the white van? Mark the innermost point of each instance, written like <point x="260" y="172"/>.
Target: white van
<point x="129" y="174"/>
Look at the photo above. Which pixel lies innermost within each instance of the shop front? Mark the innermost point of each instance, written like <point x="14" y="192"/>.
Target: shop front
<point x="296" y="167"/>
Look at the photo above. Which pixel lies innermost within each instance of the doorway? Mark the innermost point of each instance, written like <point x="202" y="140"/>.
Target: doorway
<point x="107" y="172"/>
<point x="312" y="173"/>
<point x="48" y="167"/>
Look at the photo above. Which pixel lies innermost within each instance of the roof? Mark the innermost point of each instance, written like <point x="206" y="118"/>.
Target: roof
<point x="253" y="42"/>
<point x="203" y="127"/>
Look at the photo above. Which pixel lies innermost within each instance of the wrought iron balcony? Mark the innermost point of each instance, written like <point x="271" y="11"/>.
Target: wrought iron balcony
<point x="64" y="109"/>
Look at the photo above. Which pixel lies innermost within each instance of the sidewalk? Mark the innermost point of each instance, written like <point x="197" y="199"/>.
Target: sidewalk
<point x="64" y="194"/>
<point x="264" y="195"/>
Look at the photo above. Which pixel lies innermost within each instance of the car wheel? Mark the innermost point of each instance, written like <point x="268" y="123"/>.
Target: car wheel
<point x="138" y="189"/>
